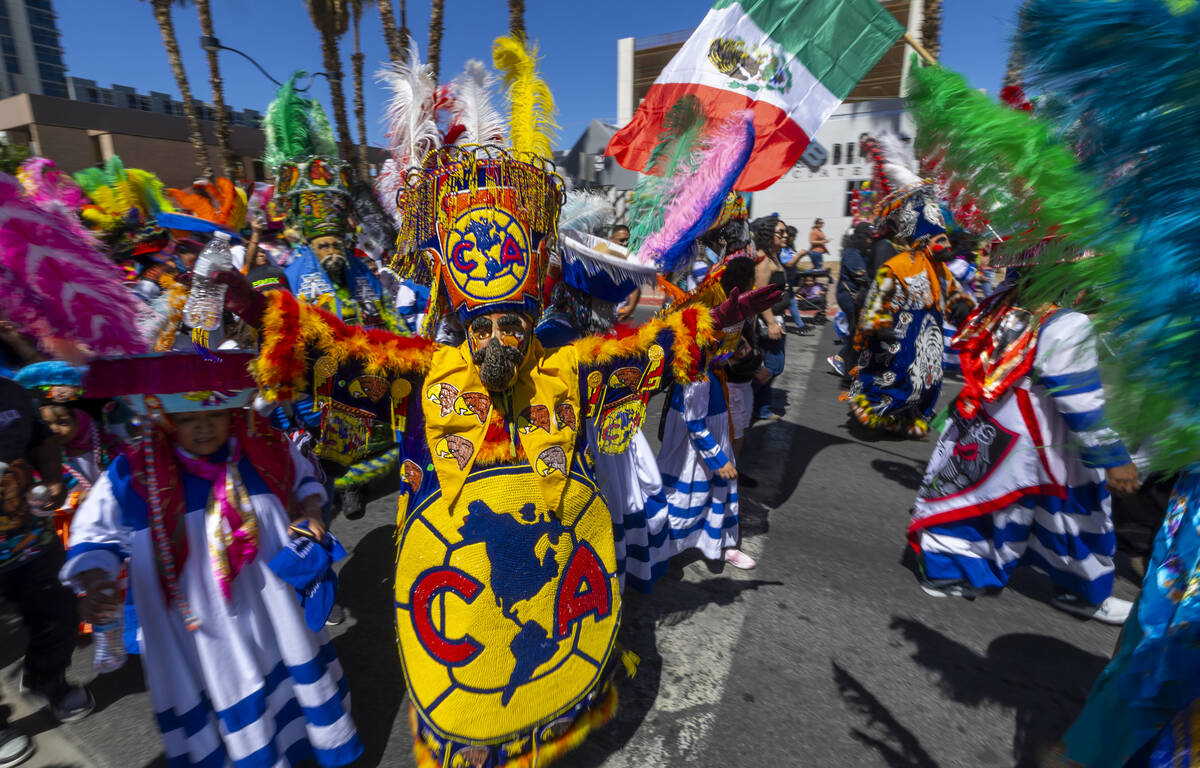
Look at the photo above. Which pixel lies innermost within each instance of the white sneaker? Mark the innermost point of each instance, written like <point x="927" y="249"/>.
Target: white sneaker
<point x="1113" y="610"/>
<point x="739" y="559"/>
<point x="949" y="588"/>
<point x="15" y="748"/>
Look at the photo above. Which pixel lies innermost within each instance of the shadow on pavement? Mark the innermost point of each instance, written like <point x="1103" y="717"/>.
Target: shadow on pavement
<point x="777" y="453"/>
<point x="673" y="602"/>
<point x="906" y="474"/>
<point x="367" y="649"/>
<point x="1044" y="679"/>
<point x="882" y="732"/>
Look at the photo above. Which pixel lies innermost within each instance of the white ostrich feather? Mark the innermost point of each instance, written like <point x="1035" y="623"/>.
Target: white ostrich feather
<point x="473" y="106"/>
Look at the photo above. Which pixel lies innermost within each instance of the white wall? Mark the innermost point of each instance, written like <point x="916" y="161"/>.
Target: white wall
<point x="624" y="81"/>
<point x="803" y="195"/>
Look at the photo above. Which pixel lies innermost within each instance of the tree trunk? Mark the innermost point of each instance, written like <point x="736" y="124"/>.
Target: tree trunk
<point x="390" y="34"/>
<point x="360" y="107"/>
<point x="162" y="14"/>
<point x="333" y="69"/>
<point x="435" y="39"/>
<point x="1014" y="73"/>
<point x="227" y="161"/>
<point x="931" y="27"/>
<point x="516" y="18"/>
<point x="404" y="34"/>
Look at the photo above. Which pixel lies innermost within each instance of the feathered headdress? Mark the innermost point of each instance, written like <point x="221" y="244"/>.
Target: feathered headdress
<point x="120" y="198"/>
<point x="688" y="177"/>
<point x="531" y="124"/>
<point x="1125" y="76"/>
<point x="311" y="183"/>
<point x="53" y="191"/>
<point x="473" y="107"/>
<point x="410" y="121"/>
<point x="586" y="211"/>
<point x="206" y="206"/>
<point x="58" y="286"/>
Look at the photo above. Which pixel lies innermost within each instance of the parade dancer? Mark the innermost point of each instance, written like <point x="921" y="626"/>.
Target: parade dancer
<point x="502" y="525"/>
<point x="898" y="375"/>
<point x="1019" y="474"/>
<point x="196" y="513"/>
<point x="313" y="186"/>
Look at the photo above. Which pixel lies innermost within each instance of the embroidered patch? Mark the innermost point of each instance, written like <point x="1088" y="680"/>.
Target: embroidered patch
<point x="627" y="377"/>
<point x="552" y="459"/>
<point x="534" y="417"/>
<point x="444" y="395"/>
<point x="473" y="403"/>
<point x="412" y="474"/>
<point x="564" y="414"/>
<point x="619" y="423"/>
<point x="371" y="387"/>
<point x="455" y="447"/>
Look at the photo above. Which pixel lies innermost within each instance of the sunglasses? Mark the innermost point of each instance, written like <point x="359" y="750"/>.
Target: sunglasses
<point x="511" y="329"/>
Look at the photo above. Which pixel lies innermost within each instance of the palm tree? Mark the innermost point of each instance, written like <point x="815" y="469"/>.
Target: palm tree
<point x="516" y="18"/>
<point x="931" y="27"/>
<point x="162" y="14"/>
<point x="391" y="35"/>
<point x="435" y="39"/>
<point x="1014" y="73"/>
<point x="331" y="19"/>
<point x="226" y="159"/>
<point x="404" y="34"/>
<point x="360" y="109"/>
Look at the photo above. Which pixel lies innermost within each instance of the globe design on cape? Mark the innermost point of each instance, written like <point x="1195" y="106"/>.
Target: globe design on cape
<point x="487" y="253"/>
<point x="506" y="612"/>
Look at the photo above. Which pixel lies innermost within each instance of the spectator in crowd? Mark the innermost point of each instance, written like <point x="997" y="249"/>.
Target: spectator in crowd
<point x="619" y="234"/>
<point x="30" y="557"/>
<point x="770" y="234"/>
<point x="818" y="244"/>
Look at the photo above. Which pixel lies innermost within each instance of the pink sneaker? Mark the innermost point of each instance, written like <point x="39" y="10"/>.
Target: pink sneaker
<point x="739" y="559"/>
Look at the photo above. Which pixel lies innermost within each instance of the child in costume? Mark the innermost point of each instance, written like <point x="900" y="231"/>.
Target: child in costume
<point x="696" y="460"/>
<point x="502" y="525"/>
<point x="196" y="512"/>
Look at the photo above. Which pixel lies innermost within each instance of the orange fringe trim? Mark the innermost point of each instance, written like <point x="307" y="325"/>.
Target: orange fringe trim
<point x="690" y="332"/>
<point x="865" y="413"/>
<point x="545" y="754"/>
<point x="291" y="329"/>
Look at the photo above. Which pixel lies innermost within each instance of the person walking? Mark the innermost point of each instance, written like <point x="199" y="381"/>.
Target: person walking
<point x="818" y="244"/>
<point x="853" y="280"/>
<point x="769" y="237"/>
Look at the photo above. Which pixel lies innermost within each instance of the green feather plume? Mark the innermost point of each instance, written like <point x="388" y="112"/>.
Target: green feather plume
<point x="296" y="126"/>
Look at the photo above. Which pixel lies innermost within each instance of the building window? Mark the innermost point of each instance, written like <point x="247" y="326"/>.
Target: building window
<point x="850" y="187"/>
<point x="850" y="153"/>
<point x="837" y="154"/>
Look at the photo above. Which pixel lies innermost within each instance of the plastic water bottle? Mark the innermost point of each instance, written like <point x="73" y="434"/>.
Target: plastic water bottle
<point x="206" y="301"/>
<point x="108" y="643"/>
<point x="38" y="496"/>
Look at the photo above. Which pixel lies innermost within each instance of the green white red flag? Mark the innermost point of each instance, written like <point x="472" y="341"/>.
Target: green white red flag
<point x="791" y="61"/>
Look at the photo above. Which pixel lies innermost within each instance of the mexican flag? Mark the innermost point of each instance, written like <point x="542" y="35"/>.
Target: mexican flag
<point x="791" y="61"/>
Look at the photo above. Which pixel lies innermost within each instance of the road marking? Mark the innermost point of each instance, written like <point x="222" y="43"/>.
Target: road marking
<point x="698" y="651"/>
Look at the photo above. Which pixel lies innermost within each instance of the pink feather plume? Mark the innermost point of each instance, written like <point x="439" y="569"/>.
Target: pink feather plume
<point x="696" y="194"/>
<point x="58" y="286"/>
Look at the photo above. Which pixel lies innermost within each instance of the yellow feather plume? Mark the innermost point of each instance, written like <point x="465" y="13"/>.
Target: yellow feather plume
<point x="531" y="122"/>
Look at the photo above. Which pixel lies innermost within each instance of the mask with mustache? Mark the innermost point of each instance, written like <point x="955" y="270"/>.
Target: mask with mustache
<point x="498" y="365"/>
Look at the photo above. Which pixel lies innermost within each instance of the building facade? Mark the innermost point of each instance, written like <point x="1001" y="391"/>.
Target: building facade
<point x="30" y="53"/>
<point x="820" y="184"/>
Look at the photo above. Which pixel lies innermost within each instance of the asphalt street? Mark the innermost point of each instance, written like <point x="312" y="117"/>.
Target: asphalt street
<point x="828" y="654"/>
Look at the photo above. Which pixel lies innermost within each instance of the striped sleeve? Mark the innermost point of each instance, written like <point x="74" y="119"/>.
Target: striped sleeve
<point x="695" y="413"/>
<point x="1068" y="367"/>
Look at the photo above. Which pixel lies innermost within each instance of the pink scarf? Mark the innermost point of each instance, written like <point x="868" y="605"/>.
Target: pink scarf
<point x="229" y="520"/>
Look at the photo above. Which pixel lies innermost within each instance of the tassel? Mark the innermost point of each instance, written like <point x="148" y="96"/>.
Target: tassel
<point x="201" y="344"/>
<point x="629" y="660"/>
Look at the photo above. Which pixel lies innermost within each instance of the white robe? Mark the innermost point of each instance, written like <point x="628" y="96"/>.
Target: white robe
<point x="252" y="685"/>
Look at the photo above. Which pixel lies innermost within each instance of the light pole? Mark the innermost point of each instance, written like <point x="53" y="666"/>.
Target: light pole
<point x="210" y="43"/>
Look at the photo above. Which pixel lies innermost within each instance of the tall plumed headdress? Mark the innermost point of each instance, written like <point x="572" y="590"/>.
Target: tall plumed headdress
<point x="484" y="219"/>
<point x="123" y="205"/>
<point x="207" y="206"/>
<point x="907" y="200"/>
<point x="410" y="122"/>
<point x="311" y="183"/>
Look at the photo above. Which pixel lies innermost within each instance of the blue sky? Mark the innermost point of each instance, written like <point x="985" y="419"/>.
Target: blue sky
<point x="117" y="41"/>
